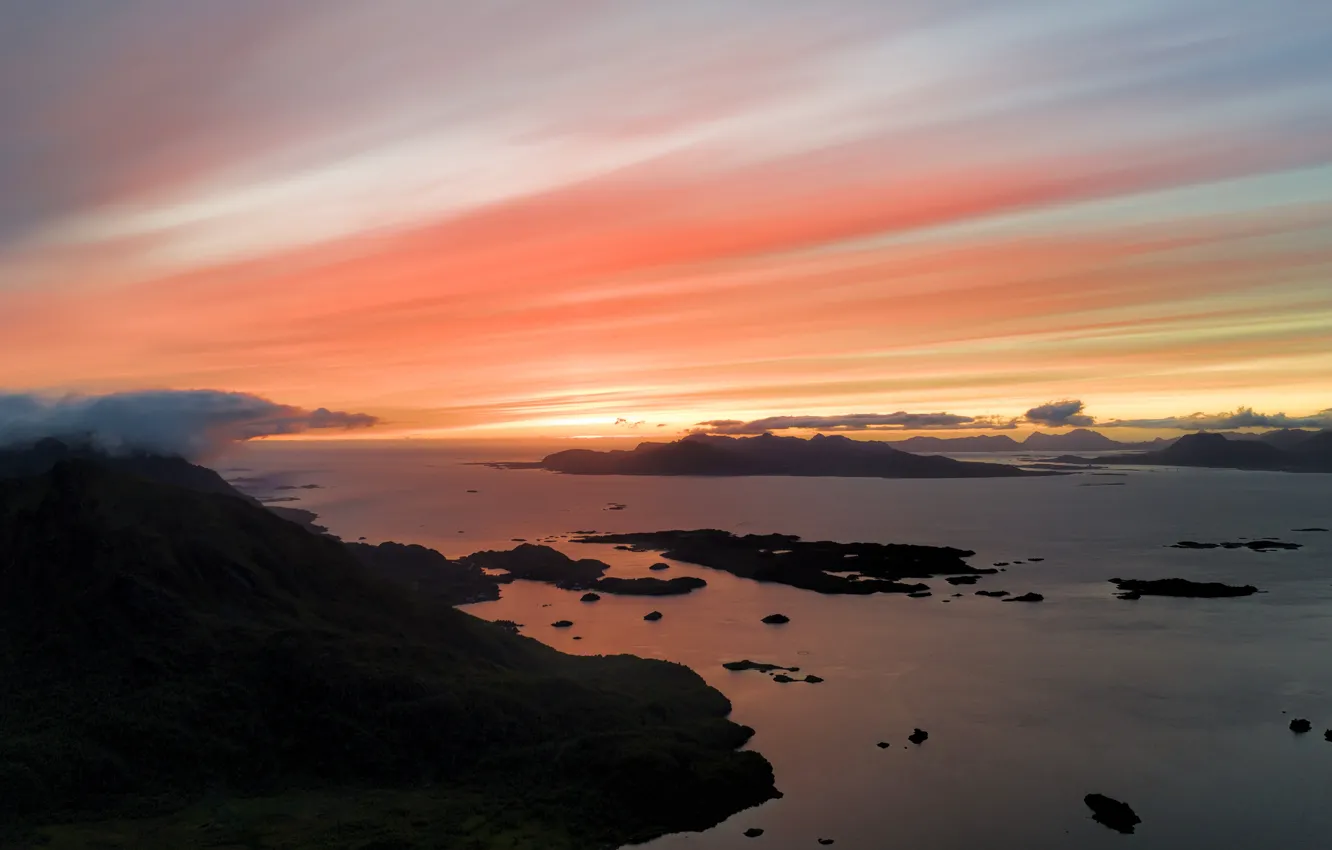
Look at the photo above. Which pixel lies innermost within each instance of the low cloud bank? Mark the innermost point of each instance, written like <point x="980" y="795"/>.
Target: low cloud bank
<point x="1243" y="417"/>
<point x="1060" y="414"/>
<point x="1065" y="413"/>
<point x="189" y="423"/>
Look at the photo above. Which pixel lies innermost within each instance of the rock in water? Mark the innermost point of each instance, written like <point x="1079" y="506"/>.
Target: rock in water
<point x="562" y="624"/>
<point x="776" y="619"/>
<point x="883" y="745"/>
<point x="1327" y="736"/>
<point x="590" y="597"/>
<point x="1299" y="726"/>
<point x="1027" y="597"/>
<point x="918" y="736"/>
<point x="813" y="680"/>
<point x="825" y="841"/>
<point x="659" y="567"/>
<point x="753" y="832"/>
<point x="649" y="586"/>
<point x="757" y="665"/>
<point x="1112" y="813"/>
<point x="652" y="616"/>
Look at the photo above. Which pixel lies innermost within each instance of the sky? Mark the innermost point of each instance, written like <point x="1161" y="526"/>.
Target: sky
<point x="601" y="217"/>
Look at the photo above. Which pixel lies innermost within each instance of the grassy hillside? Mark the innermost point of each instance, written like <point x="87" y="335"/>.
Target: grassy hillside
<point x="169" y="654"/>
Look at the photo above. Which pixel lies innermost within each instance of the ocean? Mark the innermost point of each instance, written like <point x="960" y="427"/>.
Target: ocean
<point x="1179" y="707"/>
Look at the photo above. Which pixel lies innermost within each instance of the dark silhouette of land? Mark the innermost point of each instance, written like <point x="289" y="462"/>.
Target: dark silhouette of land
<point x="1112" y="813"/>
<point x="425" y="571"/>
<point x="1263" y="545"/>
<point x="159" y="644"/>
<point x="1312" y="453"/>
<point x="41" y="456"/>
<point x="833" y="456"/>
<point x="822" y="566"/>
<point x="1076" y="440"/>
<point x="542" y="563"/>
<point x="1134" y="588"/>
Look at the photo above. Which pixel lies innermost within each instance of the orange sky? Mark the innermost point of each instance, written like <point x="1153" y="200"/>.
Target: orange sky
<point x="478" y="219"/>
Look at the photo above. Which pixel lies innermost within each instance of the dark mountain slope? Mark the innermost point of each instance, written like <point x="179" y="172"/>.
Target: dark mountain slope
<point x="156" y="643"/>
<point x="41" y="456"/>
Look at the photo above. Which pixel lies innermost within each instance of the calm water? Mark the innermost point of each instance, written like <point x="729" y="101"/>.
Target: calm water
<point x="1175" y="706"/>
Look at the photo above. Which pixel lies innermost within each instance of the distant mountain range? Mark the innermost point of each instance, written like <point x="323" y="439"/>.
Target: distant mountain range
<point x="841" y="457"/>
<point x="1080" y="440"/>
<point x="833" y="456"/>
<point x="1284" y="451"/>
<point x="1077" y="440"/>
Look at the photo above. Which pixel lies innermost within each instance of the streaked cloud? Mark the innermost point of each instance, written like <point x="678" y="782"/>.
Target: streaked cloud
<point x="690" y="210"/>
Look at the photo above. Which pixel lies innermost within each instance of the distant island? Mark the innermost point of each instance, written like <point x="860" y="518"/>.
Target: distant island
<point x="1285" y="451"/>
<point x="821" y="455"/>
<point x="173" y="651"/>
<point x="1077" y="440"/>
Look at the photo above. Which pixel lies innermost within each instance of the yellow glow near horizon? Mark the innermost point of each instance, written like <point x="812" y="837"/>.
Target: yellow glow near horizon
<point x="672" y="213"/>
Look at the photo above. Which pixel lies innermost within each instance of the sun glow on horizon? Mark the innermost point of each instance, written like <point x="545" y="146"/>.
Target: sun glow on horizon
<point x="672" y="213"/>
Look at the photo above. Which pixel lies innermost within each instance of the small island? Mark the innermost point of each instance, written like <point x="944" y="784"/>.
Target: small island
<point x="1262" y="545"/>
<point x="822" y="566"/>
<point x="761" y="667"/>
<point x="1135" y="588"/>
<point x="536" y="562"/>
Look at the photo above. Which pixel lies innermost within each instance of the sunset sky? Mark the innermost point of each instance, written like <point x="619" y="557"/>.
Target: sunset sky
<point x="500" y="217"/>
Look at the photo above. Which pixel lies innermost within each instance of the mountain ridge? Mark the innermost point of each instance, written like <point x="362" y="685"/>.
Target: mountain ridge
<point x="156" y="642"/>
<point x="768" y="454"/>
